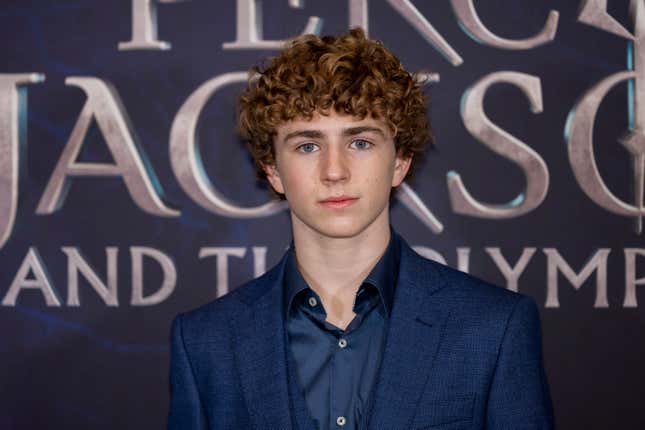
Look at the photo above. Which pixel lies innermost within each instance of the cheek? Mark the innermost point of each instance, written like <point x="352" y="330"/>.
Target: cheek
<point x="379" y="180"/>
<point x="297" y="182"/>
<point x="382" y="171"/>
<point x="377" y="186"/>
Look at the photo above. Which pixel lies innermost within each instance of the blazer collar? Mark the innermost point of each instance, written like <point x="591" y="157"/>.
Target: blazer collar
<point x="412" y="339"/>
<point x="259" y="337"/>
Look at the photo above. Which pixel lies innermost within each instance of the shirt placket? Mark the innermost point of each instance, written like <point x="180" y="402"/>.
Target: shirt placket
<point x="341" y="392"/>
<point x="343" y="351"/>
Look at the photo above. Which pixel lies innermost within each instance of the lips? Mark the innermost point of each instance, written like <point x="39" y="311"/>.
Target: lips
<point x="338" y="202"/>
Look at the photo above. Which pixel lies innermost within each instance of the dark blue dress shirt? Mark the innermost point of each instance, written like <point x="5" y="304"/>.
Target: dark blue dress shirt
<point x="337" y="368"/>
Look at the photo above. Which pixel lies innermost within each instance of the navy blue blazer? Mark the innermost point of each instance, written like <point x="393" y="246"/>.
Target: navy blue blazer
<point x="459" y="354"/>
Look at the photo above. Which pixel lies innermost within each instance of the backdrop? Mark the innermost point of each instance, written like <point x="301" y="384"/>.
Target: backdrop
<point x="127" y="197"/>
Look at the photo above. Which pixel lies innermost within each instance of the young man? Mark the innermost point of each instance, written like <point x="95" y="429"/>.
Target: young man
<point x="352" y="329"/>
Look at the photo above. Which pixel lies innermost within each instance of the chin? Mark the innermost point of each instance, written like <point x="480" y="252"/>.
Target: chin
<point x="341" y="228"/>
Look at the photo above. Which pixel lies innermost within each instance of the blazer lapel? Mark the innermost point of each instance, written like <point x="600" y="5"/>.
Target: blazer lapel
<point x="414" y="334"/>
<point x="260" y="352"/>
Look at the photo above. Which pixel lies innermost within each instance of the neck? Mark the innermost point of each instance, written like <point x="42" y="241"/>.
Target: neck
<point x="335" y="267"/>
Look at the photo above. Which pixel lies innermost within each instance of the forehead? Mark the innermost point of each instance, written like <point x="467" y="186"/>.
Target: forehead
<point x="330" y="124"/>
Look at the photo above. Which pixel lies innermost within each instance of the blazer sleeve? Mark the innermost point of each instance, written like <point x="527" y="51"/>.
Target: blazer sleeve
<point x="186" y="411"/>
<point x="519" y="394"/>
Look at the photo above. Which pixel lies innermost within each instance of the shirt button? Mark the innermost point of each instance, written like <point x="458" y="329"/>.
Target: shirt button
<point x="342" y="343"/>
<point x="312" y="301"/>
<point x="341" y="420"/>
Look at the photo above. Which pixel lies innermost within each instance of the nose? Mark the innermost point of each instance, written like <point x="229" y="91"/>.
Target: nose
<point x="334" y="165"/>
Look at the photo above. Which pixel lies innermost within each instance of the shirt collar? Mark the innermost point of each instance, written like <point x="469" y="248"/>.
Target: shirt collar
<point x="383" y="276"/>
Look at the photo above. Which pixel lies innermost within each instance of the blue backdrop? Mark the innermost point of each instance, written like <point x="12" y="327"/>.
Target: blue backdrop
<point x="101" y="362"/>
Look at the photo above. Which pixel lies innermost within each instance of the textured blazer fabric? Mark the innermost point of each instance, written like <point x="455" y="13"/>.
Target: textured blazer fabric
<point x="459" y="354"/>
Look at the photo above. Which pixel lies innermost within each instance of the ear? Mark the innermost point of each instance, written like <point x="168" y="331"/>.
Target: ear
<point x="273" y="176"/>
<point x="401" y="167"/>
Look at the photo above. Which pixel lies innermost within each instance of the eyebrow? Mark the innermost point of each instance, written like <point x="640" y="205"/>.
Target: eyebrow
<point x="311" y="134"/>
<point x="317" y="134"/>
<point x="353" y="131"/>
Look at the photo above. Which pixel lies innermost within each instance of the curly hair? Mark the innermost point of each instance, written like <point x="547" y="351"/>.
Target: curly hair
<point x="351" y="74"/>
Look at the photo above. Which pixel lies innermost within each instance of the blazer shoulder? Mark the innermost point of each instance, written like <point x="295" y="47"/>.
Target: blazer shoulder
<point x="481" y="306"/>
<point x="211" y="319"/>
<point x="472" y="292"/>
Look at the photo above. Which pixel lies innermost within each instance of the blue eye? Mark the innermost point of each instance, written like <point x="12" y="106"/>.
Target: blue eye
<point x="307" y="147"/>
<point x="361" y="144"/>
